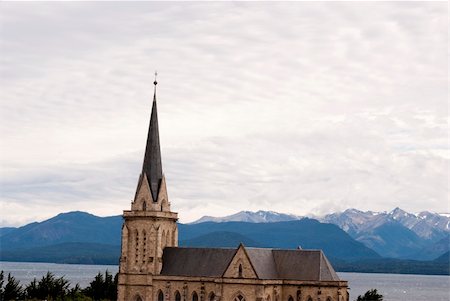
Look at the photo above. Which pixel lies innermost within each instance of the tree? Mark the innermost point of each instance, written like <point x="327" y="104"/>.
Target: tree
<point x="370" y="295"/>
<point x="76" y="294"/>
<point x="48" y="288"/>
<point x="2" y="280"/>
<point x="102" y="288"/>
<point x="12" y="290"/>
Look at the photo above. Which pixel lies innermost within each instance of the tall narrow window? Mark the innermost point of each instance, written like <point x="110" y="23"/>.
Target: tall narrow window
<point x="194" y="297"/>
<point x="212" y="297"/>
<point x="290" y="298"/>
<point x="144" y="206"/>
<point x="240" y="271"/>
<point x="160" y="296"/>
<point x="177" y="296"/>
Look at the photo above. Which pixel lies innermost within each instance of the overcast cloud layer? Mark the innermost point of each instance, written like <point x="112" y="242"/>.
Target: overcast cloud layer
<point x="304" y="108"/>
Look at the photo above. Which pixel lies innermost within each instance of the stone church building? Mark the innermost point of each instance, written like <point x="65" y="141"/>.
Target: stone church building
<point x="154" y="268"/>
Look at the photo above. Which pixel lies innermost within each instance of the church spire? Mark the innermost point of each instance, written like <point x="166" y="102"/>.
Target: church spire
<point x="152" y="167"/>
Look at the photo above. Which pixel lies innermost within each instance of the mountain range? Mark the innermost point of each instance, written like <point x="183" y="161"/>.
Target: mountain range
<point x="85" y="228"/>
<point x="251" y="217"/>
<point x="68" y="227"/>
<point x="396" y="234"/>
<point x="80" y="237"/>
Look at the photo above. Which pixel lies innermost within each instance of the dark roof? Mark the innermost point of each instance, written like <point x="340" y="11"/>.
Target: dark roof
<point x="196" y="261"/>
<point x="262" y="260"/>
<point x="152" y="166"/>
<point x="303" y="264"/>
<point x="268" y="263"/>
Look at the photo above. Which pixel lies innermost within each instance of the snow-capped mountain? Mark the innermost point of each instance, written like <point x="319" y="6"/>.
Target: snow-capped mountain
<point x="354" y="221"/>
<point x="251" y="217"/>
<point x="425" y="224"/>
<point x="397" y="233"/>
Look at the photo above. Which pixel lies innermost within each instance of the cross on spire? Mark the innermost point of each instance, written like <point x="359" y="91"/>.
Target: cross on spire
<point x="155" y="83"/>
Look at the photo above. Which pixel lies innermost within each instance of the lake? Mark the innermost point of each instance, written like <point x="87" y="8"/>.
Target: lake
<point x="394" y="287"/>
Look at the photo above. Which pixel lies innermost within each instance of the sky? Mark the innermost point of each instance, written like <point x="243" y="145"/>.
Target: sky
<point x="305" y="108"/>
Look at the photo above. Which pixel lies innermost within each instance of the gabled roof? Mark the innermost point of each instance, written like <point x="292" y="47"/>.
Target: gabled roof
<point x="268" y="263"/>
<point x="242" y="258"/>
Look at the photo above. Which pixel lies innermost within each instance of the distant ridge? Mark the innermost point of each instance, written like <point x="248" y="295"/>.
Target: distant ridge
<point x="425" y="224"/>
<point x="397" y="233"/>
<point x="83" y="228"/>
<point x="220" y="239"/>
<point x="251" y="217"/>
<point x="73" y="252"/>
<point x="445" y="258"/>
<point x="73" y="226"/>
<point x="307" y="233"/>
<point x="80" y="237"/>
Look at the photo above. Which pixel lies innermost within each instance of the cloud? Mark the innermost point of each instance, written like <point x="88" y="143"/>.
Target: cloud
<point x="293" y="107"/>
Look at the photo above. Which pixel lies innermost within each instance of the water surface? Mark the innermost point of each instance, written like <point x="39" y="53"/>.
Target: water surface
<point x="394" y="287"/>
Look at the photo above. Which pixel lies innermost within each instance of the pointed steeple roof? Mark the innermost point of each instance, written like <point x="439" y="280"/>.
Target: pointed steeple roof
<point x="152" y="166"/>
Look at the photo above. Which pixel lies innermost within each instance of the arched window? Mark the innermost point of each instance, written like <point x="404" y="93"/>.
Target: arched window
<point x="194" y="297"/>
<point x="138" y="298"/>
<point x="329" y="299"/>
<point x="240" y="271"/>
<point x="310" y="299"/>
<point x="212" y="296"/>
<point x="239" y="298"/>
<point x="290" y="298"/>
<point x="144" y="206"/>
<point x="160" y="296"/>
<point x="177" y="296"/>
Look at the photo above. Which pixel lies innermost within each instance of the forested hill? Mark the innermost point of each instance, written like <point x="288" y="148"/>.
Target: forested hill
<point x="305" y="233"/>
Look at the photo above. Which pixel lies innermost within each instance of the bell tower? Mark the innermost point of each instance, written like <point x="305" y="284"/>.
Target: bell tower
<point x="149" y="226"/>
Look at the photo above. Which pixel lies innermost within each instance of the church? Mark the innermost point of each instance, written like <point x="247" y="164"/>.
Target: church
<point x="153" y="267"/>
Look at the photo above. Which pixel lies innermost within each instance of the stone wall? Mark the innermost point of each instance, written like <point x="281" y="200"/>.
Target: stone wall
<point x="226" y="289"/>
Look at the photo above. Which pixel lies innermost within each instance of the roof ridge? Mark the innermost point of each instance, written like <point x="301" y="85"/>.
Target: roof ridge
<point x="207" y="248"/>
